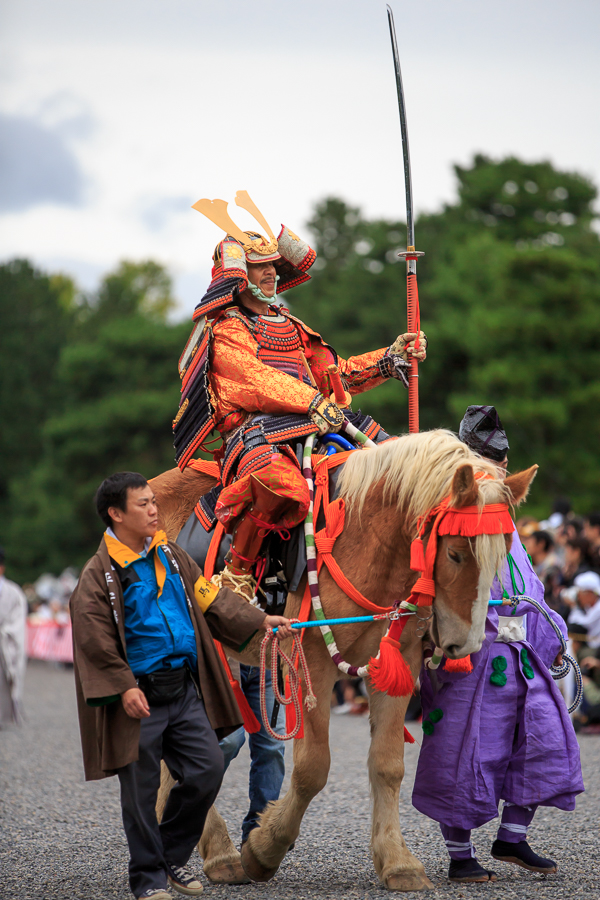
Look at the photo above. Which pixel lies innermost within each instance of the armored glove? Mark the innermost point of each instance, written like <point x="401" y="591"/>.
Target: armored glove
<point x="404" y="346"/>
<point x="325" y="414"/>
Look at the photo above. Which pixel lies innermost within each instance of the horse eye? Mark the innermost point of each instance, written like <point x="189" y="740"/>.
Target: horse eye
<point x="454" y="556"/>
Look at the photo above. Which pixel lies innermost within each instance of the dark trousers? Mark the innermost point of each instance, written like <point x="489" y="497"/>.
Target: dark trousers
<point x="179" y="733"/>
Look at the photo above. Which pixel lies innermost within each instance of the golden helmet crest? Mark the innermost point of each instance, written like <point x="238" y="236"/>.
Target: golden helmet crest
<point x="257" y="248"/>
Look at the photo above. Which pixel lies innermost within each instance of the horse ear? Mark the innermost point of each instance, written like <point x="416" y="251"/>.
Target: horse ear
<point x="519" y="484"/>
<point x="464" y="489"/>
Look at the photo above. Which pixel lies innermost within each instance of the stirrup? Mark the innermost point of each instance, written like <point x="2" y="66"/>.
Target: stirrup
<point x="241" y="583"/>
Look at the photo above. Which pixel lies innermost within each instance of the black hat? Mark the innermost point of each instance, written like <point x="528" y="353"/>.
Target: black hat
<point x="482" y="431"/>
<point x="577" y="632"/>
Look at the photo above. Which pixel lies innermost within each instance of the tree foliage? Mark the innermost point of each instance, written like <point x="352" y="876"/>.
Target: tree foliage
<point x="115" y="390"/>
<point x="510" y="301"/>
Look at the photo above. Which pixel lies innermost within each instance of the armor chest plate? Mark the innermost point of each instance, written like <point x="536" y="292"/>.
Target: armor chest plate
<point x="276" y="333"/>
<point x="279" y="345"/>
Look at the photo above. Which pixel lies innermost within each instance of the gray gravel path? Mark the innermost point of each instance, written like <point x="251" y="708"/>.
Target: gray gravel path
<point x="61" y="839"/>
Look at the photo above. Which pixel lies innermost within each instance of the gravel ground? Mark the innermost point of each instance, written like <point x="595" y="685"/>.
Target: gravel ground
<point x="61" y="839"/>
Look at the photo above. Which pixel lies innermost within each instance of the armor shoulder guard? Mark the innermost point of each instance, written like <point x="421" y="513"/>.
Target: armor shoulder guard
<point x="196" y="416"/>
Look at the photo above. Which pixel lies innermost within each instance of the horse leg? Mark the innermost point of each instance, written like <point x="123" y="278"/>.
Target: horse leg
<point x="222" y="864"/>
<point x="279" y="826"/>
<point x="395" y="865"/>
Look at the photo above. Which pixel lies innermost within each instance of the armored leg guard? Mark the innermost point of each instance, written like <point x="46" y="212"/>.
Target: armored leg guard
<point x="268" y="508"/>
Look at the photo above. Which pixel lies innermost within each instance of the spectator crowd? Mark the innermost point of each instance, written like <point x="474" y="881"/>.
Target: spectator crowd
<point x="565" y="553"/>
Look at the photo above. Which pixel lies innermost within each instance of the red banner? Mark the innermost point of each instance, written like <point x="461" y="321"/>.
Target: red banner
<point x="50" y="641"/>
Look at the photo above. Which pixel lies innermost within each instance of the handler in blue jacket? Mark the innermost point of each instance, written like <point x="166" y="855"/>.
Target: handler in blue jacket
<point x="149" y="681"/>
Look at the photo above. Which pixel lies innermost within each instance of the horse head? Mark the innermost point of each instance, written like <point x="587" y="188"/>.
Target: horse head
<point x="465" y="566"/>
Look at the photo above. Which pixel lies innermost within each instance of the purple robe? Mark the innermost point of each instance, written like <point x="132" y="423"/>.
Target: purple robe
<point x="495" y="742"/>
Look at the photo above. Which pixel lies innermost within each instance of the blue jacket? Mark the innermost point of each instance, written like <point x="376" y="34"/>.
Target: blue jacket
<point x="158" y="628"/>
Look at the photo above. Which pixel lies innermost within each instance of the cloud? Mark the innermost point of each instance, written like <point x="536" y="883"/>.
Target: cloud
<point x="156" y="213"/>
<point x="36" y="166"/>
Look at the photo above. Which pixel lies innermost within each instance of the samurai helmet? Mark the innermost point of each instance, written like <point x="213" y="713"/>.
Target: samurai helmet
<point x="291" y="256"/>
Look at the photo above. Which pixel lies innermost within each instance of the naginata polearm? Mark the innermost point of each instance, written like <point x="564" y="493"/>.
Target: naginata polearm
<point x="410" y="254"/>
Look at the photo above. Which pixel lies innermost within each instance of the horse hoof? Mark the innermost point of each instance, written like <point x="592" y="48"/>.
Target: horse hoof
<point x="409" y="881"/>
<point x="253" y="868"/>
<point x="229" y="873"/>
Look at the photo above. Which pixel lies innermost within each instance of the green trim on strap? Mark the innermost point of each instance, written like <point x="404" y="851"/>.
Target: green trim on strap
<point x="512" y="568"/>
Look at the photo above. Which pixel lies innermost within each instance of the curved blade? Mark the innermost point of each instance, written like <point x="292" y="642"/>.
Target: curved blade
<point x="410" y="227"/>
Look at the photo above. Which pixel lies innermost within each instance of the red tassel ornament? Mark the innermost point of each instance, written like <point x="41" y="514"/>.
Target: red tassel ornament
<point x="390" y="673"/>
<point x="459" y="665"/>
<point x="290" y="712"/>
<point x="251" y="723"/>
<point x="408" y="738"/>
<point x="417" y="555"/>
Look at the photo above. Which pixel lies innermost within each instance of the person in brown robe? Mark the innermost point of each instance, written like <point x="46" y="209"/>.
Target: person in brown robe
<point x="149" y="681"/>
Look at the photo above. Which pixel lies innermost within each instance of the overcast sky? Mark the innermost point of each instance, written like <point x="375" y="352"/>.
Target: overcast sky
<point x="117" y="115"/>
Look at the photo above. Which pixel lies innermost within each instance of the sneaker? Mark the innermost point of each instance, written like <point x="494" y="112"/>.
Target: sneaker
<point x="468" y="871"/>
<point x="183" y="880"/>
<point x="155" y="894"/>
<point x="522" y="855"/>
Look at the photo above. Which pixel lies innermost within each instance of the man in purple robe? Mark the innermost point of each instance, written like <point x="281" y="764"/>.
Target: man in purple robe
<point x="502" y="731"/>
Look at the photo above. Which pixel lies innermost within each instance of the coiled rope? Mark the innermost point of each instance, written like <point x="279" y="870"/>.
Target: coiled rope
<point x="293" y="680"/>
<point x="568" y="662"/>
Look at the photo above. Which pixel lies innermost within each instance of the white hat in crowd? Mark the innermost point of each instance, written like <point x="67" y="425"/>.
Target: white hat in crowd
<point x="588" y="581"/>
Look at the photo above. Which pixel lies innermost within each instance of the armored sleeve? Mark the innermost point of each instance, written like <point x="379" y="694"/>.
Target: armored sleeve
<point x="363" y="372"/>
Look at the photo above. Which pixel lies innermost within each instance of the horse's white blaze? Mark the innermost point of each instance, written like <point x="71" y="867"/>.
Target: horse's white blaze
<point x="453" y="632"/>
<point x="479" y="612"/>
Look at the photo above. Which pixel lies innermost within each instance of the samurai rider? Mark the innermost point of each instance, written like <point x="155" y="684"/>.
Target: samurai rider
<point x="258" y="375"/>
<point x="501" y="732"/>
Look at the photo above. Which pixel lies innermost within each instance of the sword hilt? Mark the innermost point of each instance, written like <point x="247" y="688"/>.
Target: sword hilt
<point x="340" y="396"/>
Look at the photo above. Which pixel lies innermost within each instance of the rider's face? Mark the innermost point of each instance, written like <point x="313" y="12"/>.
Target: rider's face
<point x="263" y="276"/>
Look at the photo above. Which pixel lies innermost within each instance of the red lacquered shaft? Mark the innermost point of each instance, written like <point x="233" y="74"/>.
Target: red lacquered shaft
<point x="414" y="325"/>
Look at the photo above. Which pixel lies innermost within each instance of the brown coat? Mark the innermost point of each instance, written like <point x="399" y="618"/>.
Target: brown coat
<point x="109" y="737"/>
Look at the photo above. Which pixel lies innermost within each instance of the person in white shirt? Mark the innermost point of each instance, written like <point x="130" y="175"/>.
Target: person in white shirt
<point x="587" y="611"/>
<point x="13" y="620"/>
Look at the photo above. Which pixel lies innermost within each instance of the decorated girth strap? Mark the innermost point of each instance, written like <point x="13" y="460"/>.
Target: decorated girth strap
<point x="388" y="671"/>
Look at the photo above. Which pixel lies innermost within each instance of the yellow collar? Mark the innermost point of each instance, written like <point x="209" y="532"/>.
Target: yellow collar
<point x="124" y="555"/>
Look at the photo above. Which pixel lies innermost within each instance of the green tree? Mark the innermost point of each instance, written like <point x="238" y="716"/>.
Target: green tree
<point x="119" y="392"/>
<point x="509" y="293"/>
<point x="37" y="315"/>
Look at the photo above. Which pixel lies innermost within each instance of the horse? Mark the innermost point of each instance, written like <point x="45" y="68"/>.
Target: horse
<point x="386" y="491"/>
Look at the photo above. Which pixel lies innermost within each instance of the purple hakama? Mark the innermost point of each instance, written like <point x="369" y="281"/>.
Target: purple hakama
<point x="507" y="739"/>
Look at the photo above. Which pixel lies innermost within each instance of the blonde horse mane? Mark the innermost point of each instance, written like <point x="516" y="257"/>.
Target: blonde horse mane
<point x="418" y="470"/>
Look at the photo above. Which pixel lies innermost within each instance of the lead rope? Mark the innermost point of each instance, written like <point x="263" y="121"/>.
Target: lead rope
<point x="568" y="662"/>
<point x="294" y="681"/>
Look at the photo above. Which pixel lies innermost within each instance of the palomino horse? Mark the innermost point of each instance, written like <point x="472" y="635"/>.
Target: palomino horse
<point x="386" y="490"/>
